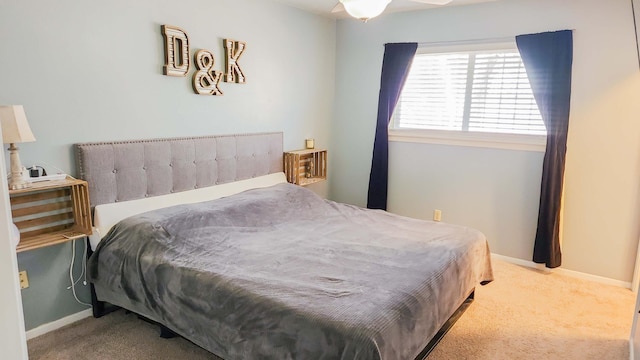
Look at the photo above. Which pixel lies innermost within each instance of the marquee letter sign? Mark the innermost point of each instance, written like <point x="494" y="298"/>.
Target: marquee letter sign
<point x="233" y="50"/>
<point x="176" y="51"/>
<point x="205" y="80"/>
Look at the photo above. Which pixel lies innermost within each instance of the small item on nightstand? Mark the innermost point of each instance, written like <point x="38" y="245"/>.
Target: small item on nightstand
<point x="309" y="169"/>
<point x="309" y="143"/>
<point x="35" y="172"/>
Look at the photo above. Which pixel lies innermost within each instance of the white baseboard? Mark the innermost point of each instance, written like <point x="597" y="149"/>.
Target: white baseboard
<point x="54" y="325"/>
<point x="567" y="272"/>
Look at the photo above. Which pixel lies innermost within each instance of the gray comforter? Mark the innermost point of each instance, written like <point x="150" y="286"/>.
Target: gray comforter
<point x="279" y="273"/>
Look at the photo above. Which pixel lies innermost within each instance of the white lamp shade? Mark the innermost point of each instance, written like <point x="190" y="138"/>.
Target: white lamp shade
<point x="15" y="128"/>
<point x="364" y="9"/>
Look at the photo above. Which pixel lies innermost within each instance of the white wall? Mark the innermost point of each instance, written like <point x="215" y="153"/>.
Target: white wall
<point x="92" y="71"/>
<point x="497" y="191"/>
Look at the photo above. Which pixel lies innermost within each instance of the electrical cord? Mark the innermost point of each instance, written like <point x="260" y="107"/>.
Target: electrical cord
<point x="84" y="271"/>
<point x="52" y="166"/>
<point x="44" y="172"/>
<point x="33" y="171"/>
<point x="84" y="267"/>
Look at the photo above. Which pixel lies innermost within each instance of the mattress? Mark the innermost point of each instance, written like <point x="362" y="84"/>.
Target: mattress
<point x="280" y="273"/>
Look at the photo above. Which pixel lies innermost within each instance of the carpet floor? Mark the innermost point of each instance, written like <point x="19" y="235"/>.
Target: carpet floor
<point x="523" y="314"/>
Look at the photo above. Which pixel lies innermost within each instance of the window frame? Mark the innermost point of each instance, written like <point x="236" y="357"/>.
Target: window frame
<point x="510" y="141"/>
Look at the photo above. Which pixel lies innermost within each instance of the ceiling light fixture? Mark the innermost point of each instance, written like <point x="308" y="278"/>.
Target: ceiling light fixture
<point x="364" y="9"/>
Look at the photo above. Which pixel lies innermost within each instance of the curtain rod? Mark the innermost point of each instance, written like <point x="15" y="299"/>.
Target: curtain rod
<point x="477" y="41"/>
<point x="469" y="41"/>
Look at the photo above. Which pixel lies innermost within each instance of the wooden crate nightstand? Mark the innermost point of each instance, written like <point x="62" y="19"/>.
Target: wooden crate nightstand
<point x="51" y="212"/>
<point x="304" y="167"/>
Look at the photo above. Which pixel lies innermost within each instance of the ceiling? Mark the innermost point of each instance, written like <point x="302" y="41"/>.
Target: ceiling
<point x="323" y="7"/>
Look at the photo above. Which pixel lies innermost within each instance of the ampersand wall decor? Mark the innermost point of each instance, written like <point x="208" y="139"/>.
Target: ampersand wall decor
<point x="205" y="80"/>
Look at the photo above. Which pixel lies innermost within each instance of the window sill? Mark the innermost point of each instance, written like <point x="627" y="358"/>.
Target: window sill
<point x="474" y="139"/>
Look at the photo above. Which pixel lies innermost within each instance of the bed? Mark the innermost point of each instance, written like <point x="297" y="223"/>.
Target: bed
<point x="204" y="236"/>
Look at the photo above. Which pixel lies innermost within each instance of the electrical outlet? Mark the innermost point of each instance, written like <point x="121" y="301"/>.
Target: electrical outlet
<point x="24" y="279"/>
<point x="437" y="215"/>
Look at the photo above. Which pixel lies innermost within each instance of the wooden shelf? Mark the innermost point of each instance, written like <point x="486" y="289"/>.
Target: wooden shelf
<point x="51" y="212"/>
<point x="304" y="167"/>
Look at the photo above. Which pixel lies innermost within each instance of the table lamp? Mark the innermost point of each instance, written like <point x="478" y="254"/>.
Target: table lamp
<point x="15" y="129"/>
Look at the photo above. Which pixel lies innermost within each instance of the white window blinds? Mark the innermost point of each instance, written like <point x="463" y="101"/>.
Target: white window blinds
<point x="480" y="91"/>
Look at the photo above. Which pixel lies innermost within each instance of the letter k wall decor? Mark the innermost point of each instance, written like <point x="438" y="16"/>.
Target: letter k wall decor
<point x="206" y="80"/>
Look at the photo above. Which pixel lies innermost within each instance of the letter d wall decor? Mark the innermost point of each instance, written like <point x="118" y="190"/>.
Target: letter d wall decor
<point x="205" y="81"/>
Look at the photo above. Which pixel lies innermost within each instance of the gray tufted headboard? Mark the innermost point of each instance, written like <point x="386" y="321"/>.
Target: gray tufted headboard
<point x="128" y="170"/>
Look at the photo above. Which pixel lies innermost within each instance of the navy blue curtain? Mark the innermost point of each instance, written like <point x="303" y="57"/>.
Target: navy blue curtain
<point x="548" y="57"/>
<point x="395" y="68"/>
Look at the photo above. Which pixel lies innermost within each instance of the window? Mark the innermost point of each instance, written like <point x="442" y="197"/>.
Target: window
<point x="469" y="95"/>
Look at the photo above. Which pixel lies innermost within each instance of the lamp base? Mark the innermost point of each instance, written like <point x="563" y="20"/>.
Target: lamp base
<point x="16" y="182"/>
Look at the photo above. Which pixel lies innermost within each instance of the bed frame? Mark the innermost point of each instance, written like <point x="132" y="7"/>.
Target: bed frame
<point x="128" y="170"/>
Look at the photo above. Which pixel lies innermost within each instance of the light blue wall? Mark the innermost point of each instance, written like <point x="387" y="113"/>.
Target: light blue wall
<point x="91" y="71"/>
<point x="494" y="190"/>
<point x="497" y="191"/>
